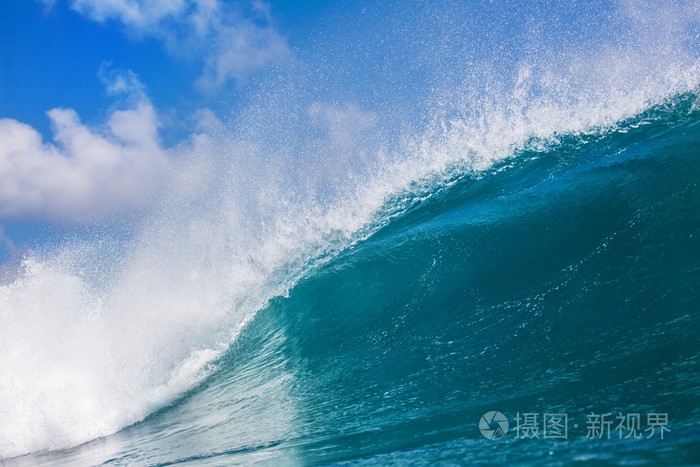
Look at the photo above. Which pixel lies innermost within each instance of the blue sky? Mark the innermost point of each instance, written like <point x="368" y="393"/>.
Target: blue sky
<point x="179" y="57"/>
<point x="97" y="95"/>
<point x="66" y="54"/>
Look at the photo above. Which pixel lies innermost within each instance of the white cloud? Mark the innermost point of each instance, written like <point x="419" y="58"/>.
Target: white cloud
<point x="141" y="16"/>
<point x="85" y="173"/>
<point x="230" y="43"/>
<point x="239" y="52"/>
<point x="343" y="125"/>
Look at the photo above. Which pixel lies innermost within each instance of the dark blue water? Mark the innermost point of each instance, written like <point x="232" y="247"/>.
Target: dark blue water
<point x="563" y="280"/>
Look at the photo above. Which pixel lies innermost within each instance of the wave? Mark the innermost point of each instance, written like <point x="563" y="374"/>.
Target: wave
<point x="545" y="284"/>
<point x="548" y="283"/>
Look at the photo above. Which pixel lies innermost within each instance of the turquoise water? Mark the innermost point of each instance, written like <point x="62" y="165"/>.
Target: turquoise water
<point x="564" y="279"/>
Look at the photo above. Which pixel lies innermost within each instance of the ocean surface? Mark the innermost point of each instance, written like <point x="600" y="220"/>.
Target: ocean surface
<point x="563" y="279"/>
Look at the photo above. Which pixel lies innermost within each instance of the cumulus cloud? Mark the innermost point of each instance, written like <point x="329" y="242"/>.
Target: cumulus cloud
<point x="232" y="42"/>
<point x="84" y="173"/>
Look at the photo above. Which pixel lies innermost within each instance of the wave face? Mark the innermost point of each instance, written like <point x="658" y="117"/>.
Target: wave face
<point x="355" y="289"/>
<point x="561" y="280"/>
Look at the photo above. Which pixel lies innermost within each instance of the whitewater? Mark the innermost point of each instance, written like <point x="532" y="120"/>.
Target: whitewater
<point x="530" y="244"/>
